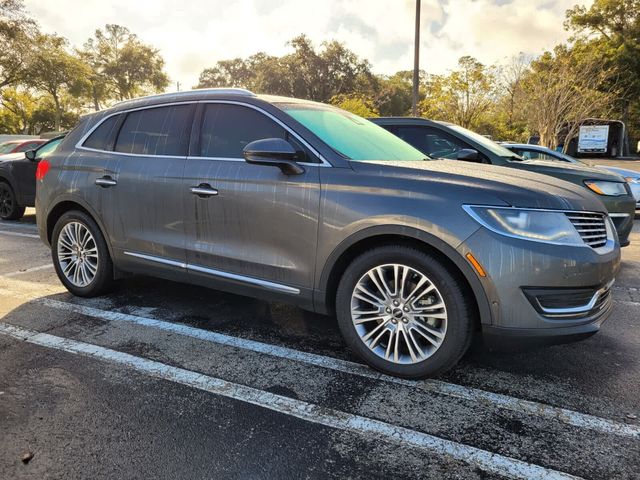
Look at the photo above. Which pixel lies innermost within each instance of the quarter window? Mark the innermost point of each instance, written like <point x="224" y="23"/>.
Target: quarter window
<point x="103" y="136"/>
<point x="227" y="129"/>
<point x="156" y="131"/>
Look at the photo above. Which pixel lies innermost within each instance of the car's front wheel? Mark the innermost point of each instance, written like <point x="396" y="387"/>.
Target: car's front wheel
<point x="404" y="312"/>
<point x="9" y="208"/>
<point x="80" y="255"/>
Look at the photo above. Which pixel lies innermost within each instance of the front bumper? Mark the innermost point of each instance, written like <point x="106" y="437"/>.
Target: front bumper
<point x="519" y="272"/>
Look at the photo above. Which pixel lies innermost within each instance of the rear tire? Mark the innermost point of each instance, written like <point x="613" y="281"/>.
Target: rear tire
<point x="420" y="322"/>
<point x="80" y="255"/>
<point x="9" y="209"/>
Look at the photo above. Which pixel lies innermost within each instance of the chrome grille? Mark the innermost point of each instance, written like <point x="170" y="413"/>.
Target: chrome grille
<point x="590" y="226"/>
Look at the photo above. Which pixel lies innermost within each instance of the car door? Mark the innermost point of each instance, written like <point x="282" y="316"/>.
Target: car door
<point x="142" y="206"/>
<point x="256" y="226"/>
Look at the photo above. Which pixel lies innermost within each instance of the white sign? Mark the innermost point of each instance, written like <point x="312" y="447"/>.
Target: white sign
<point x="593" y="138"/>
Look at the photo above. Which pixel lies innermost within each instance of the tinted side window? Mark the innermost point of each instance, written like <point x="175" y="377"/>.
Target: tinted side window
<point x="156" y="131"/>
<point x="431" y="141"/>
<point x="103" y="136"/>
<point x="227" y="129"/>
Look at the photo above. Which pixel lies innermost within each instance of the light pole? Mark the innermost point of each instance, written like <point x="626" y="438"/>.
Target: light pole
<point x="416" y="61"/>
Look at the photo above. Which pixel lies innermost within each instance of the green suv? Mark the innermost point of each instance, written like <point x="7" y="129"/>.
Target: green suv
<point x="446" y="140"/>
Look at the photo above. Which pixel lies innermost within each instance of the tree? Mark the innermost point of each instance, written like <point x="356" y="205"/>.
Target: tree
<point x="16" y="33"/>
<point x="609" y="30"/>
<point x="19" y="105"/>
<point x="464" y="96"/>
<point x="55" y="71"/>
<point x="305" y="73"/>
<point x="122" y="66"/>
<point x="564" y="90"/>
<point x="357" y="104"/>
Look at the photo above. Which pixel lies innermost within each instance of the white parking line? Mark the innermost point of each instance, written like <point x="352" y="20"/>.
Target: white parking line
<point x="27" y="270"/>
<point x="487" y="461"/>
<point x="19" y="234"/>
<point x="506" y="402"/>
<point x="26" y="226"/>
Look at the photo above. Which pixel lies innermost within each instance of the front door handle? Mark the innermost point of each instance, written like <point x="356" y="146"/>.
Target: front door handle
<point x="106" y="181"/>
<point x="204" y="190"/>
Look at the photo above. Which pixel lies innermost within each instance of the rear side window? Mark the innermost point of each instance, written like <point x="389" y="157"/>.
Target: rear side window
<point x="227" y="129"/>
<point x="431" y="141"/>
<point x="156" y="131"/>
<point x="103" y="136"/>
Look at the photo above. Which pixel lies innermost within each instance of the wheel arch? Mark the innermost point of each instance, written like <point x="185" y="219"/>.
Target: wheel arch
<point x="373" y="237"/>
<point x="67" y="204"/>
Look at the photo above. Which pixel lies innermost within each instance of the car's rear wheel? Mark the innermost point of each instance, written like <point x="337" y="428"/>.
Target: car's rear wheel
<point x="404" y="312"/>
<point x="80" y="255"/>
<point x="9" y="208"/>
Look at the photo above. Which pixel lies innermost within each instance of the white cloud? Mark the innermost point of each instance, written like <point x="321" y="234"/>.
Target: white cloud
<point x="194" y="34"/>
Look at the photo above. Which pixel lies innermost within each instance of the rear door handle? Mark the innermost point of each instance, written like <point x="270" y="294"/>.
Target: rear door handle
<point x="106" y="181"/>
<point x="204" y="190"/>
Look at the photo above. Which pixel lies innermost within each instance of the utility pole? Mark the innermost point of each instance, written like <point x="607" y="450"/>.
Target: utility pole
<point x="416" y="61"/>
<point x="178" y="86"/>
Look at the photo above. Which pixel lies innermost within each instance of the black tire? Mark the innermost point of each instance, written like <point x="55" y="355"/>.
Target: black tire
<point x="460" y="310"/>
<point x="9" y="208"/>
<point x="103" y="279"/>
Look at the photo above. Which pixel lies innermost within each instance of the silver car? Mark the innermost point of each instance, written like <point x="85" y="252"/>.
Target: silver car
<point x="296" y="201"/>
<point x="537" y="152"/>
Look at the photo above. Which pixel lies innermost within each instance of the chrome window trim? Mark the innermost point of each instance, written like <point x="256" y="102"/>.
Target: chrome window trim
<point x="79" y="146"/>
<point x="600" y="250"/>
<point x="278" y="287"/>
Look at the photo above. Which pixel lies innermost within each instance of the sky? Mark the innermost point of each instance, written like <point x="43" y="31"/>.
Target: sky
<point x="194" y="34"/>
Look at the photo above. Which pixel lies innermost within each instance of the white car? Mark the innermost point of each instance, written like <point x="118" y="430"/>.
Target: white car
<point x="536" y="152"/>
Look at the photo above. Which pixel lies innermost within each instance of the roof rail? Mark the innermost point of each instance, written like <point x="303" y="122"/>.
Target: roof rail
<point x="222" y="91"/>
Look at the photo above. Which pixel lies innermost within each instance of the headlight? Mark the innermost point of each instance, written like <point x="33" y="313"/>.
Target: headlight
<point x="528" y="224"/>
<point x="602" y="187"/>
<point x="632" y="180"/>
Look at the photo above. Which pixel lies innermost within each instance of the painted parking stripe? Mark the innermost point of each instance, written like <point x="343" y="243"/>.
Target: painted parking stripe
<point x="487" y="461"/>
<point x="528" y="407"/>
<point x="26" y="226"/>
<point x="27" y="270"/>
<point x="19" y="234"/>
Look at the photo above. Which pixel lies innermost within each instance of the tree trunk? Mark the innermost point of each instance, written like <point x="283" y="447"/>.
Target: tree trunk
<point x="58" y="116"/>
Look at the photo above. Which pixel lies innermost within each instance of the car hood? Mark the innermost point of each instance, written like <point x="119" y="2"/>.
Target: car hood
<point x="12" y="156"/>
<point x="565" y="168"/>
<point x="480" y="183"/>
<point x="622" y="171"/>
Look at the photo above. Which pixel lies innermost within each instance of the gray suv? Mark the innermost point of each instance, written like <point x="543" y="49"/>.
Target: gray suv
<point x="300" y="202"/>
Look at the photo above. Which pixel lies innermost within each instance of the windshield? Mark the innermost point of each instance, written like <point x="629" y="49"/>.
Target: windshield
<point x="48" y="148"/>
<point x="7" y="147"/>
<point x="490" y="145"/>
<point x="351" y="136"/>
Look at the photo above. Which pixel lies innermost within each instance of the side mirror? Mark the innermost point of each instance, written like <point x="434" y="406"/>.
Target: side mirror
<point x="468" y="155"/>
<point x="30" y="155"/>
<point x="274" y="152"/>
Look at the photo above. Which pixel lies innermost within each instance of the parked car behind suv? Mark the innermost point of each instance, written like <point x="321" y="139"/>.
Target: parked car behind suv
<point x="538" y="152"/>
<point x="18" y="181"/>
<point x="16" y="146"/>
<point x="295" y="201"/>
<point x="446" y="140"/>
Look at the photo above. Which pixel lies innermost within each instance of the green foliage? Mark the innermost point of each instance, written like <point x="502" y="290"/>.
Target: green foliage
<point x="357" y="104"/>
<point x="122" y="67"/>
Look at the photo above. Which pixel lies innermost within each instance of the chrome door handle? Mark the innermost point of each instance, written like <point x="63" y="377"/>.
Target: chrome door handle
<point x="106" y="181"/>
<point x="204" y="190"/>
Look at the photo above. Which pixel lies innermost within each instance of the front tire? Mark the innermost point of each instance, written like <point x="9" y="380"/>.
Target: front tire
<point x="80" y="255"/>
<point x="9" y="208"/>
<point x="404" y="312"/>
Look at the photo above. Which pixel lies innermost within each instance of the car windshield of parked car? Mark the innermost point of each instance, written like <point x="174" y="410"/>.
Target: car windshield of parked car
<point x="48" y="148"/>
<point x="351" y="136"/>
<point x="7" y="147"/>
<point x="490" y="145"/>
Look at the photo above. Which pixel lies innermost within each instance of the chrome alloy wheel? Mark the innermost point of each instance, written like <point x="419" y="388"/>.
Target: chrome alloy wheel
<point x="77" y="254"/>
<point x="399" y="313"/>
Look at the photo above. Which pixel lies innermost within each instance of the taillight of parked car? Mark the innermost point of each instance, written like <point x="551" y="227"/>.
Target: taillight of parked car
<point x="42" y="169"/>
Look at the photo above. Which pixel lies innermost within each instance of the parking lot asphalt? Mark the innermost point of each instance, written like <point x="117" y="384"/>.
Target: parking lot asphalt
<point x="163" y="380"/>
